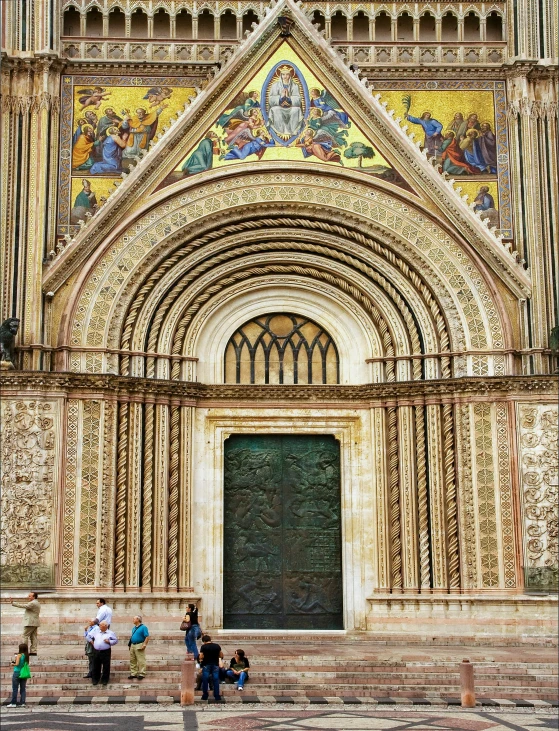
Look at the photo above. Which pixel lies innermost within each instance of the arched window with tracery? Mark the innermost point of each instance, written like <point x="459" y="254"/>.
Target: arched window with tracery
<point x="281" y="348"/>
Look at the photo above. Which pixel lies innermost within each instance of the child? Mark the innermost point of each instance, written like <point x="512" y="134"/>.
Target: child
<point x="21" y="666"/>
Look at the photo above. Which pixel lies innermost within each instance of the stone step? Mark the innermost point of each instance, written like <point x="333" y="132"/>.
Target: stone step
<point x="265" y="691"/>
<point x="56" y="633"/>
<point x="306" y="676"/>
<point x="343" y="669"/>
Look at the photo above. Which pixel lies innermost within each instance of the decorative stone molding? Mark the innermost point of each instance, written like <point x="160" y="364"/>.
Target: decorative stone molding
<point x="29" y="479"/>
<point x="498" y="388"/>
<point x="537" y="437"/>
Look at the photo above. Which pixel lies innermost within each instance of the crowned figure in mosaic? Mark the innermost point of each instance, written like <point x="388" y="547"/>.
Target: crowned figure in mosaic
<point x="286" y="112"/>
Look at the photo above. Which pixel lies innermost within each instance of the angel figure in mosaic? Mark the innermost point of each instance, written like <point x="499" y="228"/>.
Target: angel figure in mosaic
<point x="320" y="144"/>
<point x="158" y="95"/>
<point x="331" y="110"/>
<point x="249" y="142"/>
<point x="318" y="122"/>
<point x="241" y="105"/>
<point x="93" y="97"/>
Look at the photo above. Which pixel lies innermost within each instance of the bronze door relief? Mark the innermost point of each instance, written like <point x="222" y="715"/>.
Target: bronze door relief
<point x="282" y="533"/>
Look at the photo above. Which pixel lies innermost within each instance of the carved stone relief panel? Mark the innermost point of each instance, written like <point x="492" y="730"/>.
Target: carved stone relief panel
<point x="537" y="433"/>
<point x="29" y="458"/>
<point x="486" y="502"/>
<point x="81" y="530"/>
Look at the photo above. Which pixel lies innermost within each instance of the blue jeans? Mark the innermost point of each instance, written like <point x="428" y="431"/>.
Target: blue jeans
<point x="18" y="684"/>
<point x="193" y="634"/>
<point x="242" y="678"/>
<point x="212" y="670"/>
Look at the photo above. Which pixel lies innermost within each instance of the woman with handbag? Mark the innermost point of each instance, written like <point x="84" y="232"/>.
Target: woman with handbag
<point x="20" y="676"/>
<point x="191" y="626"/>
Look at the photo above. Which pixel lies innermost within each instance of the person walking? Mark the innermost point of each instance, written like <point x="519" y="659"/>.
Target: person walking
<point x="238" y="669"/>
<point x="138" y="642"/>
<point x="102" y="642"/>
<point x="104" y="612"/>
<point x="210" y="652"/>
<point x="90" y="631"/>
<point x="194" y="632"/>
<point x="20" y="676"/>
<point x="30" y="620"/>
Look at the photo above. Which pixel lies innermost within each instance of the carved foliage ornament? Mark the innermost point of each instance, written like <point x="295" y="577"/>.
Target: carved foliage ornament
<point x="538" y="436"/>
<point x="28" y="456"/>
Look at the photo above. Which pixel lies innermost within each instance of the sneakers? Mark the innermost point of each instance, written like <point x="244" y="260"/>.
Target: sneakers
<point x="132" y="677"/>
<point x="11" y="705"/>
<point x="240" y="687"/>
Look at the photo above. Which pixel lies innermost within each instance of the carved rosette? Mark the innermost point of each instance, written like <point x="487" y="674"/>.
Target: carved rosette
<point x="29" y="460"/>
<point x="537" y="435"/>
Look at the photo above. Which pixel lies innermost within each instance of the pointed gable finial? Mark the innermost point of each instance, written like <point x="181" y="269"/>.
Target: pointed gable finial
<point x="285" y="24"/>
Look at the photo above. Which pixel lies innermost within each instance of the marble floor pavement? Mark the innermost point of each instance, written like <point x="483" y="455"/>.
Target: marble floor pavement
<point x="275" y="719"/>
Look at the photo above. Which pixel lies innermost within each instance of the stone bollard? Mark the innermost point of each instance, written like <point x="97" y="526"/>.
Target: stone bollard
<point x="467" y="690"/>
<point x="187" y="681"/>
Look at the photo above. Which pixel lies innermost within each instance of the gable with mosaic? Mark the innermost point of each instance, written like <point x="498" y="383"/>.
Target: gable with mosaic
<point x="284" y="113"/>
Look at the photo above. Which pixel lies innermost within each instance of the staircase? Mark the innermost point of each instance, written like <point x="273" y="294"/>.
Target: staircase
<point x="301" y="668"/>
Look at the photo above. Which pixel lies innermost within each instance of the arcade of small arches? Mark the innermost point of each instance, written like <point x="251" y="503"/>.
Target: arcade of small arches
<point x="380" y="25"/>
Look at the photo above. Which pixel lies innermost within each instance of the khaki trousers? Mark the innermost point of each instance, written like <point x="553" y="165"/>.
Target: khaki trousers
<point x="137" y="661"/>
<point x="30" y="637"/>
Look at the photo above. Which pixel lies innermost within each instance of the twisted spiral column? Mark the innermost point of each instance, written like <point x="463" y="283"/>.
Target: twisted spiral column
<point x="451" y="506"/>
<point x="147" y="503"/>
<point x="394" y="501"/>
<point x="422" y="500"/>
<point x="172" y="576"/>
<point x="121" y="487"/>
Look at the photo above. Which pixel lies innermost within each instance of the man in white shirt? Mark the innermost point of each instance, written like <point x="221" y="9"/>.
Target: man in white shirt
<point x="91" y="629"/>
<point x="104" y="612"/>
<point x="102" y="643"/>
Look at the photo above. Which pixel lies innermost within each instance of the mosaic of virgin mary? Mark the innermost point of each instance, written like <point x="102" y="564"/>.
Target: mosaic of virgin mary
<point x="286" y="101"/>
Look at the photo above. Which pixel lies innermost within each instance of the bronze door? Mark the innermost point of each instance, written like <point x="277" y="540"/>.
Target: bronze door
<point x="282" y="533"/>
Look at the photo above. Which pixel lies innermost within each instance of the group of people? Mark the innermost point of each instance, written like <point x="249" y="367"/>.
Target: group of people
<point x="467" y="147"/>
<point x="210" y="664"/>
<point x="99" y="145"/>
<point x="100" y="639"/>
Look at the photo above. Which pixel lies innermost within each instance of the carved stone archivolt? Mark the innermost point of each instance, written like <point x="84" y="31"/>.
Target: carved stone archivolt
<point x="142" y="286"/>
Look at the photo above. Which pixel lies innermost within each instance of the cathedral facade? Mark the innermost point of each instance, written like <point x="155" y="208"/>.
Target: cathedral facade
<point x="286" y="284"/>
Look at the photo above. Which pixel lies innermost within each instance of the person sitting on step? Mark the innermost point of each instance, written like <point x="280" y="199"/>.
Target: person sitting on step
<point x="238" y="669"/>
